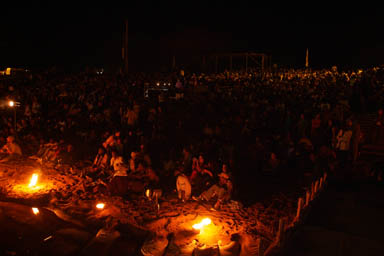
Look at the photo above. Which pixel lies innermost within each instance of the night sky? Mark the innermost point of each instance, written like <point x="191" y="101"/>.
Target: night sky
<point x="68" y="36"/>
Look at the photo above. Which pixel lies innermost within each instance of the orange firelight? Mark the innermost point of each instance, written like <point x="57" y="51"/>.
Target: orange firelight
<point x="100" y="206"/>
<point x="35" y="210"/>
<point x="33" y="181"/>
<point x="203" y="223"/>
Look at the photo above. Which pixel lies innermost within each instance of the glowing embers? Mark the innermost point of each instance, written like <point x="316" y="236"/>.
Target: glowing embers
<point x="203" y="223"/>
<point x="33" y="181"/>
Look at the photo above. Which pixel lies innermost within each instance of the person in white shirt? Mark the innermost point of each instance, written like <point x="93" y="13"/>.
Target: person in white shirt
<point x="183" y="186"/>
<point x="11" y="150"/>
<point x="119" y="184"/>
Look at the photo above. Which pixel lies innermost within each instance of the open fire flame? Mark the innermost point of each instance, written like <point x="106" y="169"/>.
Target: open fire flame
<point x="33" y="181"/>
<point x="203" y="223"/>
<point x="35" y="210"/>
<point x="100" y="206"/>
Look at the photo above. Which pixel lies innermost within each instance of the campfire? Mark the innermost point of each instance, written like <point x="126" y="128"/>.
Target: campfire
<point x="100" y="206"/>
<point x="208" y="231"/>
<point x="35" y="210"/>
<point x="33" y="182"/>
<point x="202" y="224"/>
<point x="33" y="186"/>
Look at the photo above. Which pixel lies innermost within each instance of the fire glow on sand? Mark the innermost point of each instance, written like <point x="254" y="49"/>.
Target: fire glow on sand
<point x="203" y="223"/>
<point x="34" y="186"/>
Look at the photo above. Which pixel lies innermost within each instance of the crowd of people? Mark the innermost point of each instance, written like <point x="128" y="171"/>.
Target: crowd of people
<point x="224" y="128"/>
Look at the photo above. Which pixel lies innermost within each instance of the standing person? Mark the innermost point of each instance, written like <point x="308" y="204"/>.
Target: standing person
<point x="301" y="127"/>
<point x="315" y="130"/>
<point x="343" y="144"/>
<point x="330" y="134"/>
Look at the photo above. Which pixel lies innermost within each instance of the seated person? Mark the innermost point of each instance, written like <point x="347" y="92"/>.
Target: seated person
<point x="133" y="161"/>
<point x="119" y="184"/>
<point x="111" y="141"/>
<point x="47" y="151"/>
<point x="144" y="155"/>
<point x="145" y="173"/>
<point x="52" y="153"/>
<point x="101" y="159"/>
<point x="40" y="151"/>
<point x="220" y="192"/>
<point x="183" y="185"/>
<point x="11" y="150"/>
<point x="117" y="165"/>
<point x="201" y="177"/>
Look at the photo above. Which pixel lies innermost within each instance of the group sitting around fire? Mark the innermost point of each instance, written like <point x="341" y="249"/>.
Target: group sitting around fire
<point x="256" y="123"/>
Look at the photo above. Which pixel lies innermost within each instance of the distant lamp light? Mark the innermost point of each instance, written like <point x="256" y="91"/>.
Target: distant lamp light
<point x="11" y="103"/>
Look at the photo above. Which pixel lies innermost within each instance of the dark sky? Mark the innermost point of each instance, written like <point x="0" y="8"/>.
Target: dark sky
<point x="74" y="37"/>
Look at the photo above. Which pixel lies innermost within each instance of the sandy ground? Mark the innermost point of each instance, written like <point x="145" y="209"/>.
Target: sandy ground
<point x="70" y="223"/>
